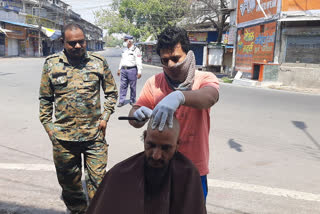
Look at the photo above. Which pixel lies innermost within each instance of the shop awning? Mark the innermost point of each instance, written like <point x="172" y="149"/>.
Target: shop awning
<point x="19" y="24"/>
<point x="51" y="33"/>
<point x="5" y="31"/>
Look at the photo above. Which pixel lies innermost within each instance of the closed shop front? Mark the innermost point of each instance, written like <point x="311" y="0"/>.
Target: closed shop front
<point x="2" y="44"/>
<point x="13" y="47"/>
<point x="32" y="43"/>
<point x="303" y="49"/>
<point x="31" y="48"/>
<point x="198" y="41"/>
<point x="149" y="53"/>
<point x="198" y="52"/>
<point x="22" y="47"/>
<point x="15" y="40"/>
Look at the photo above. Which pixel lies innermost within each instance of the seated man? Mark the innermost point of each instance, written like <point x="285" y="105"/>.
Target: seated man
<point x="158" y="180"/>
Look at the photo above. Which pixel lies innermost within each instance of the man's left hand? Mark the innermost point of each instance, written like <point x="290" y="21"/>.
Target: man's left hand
<point x="103" y="126"/>
<point x="138" y="76"/>
<point x="165" y="109"/>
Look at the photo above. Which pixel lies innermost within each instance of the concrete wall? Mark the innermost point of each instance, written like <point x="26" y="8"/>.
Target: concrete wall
<point x="300" y="75"/>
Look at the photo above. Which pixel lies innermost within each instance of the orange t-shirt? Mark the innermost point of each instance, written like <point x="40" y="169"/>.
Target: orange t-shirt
<point x="194" y="123"/>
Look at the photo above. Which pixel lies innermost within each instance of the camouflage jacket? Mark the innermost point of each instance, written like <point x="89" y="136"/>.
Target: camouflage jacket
<point x="75" y="92"/>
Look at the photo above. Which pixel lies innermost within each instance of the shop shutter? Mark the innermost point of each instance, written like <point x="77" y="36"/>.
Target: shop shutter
<point x="303" y="49"/>
<point x="13" y="47"/>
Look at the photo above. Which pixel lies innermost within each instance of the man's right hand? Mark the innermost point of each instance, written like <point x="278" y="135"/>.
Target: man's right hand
<point x="50" y="133"/>
<point x="143" y="113"/>
<point x="118" y="72"/>
<point x="165" y="109"/>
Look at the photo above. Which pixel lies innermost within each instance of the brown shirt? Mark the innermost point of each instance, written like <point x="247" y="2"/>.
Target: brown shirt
<point x="122" y="190"/>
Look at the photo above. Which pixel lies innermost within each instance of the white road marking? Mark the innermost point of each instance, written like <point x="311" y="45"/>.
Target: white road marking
<point x="264" y="190"/>
<point x="31" y="167"/>
<point x="213" y="183"/>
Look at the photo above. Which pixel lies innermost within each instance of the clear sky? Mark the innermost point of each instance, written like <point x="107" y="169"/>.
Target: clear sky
<point x="86" y="7"/>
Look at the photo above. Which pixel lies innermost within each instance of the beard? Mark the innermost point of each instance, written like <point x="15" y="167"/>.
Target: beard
<point x="75" y="53"/>
<point x="155" y="177"/>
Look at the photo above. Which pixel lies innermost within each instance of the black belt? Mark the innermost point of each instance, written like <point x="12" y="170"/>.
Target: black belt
<point x="128" y="67"/>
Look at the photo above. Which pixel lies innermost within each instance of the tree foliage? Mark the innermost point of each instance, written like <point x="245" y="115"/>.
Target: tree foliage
<point x="111" y="41"/>
<point x="141" y="18"/>
<point x="214" y="12"/>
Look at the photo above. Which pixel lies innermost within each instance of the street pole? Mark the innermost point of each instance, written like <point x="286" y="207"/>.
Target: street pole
<point x="39" y="24"/>
<point x="39" y="41"/>
<point x="64" y="15"/>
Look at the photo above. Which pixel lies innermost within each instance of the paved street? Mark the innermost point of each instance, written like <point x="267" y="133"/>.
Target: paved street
<point x="264" y="146"/>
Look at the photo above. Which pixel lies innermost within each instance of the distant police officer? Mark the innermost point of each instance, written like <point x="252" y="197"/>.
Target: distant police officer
<point x="130" y="69"/>
<point x="72" y="80"/>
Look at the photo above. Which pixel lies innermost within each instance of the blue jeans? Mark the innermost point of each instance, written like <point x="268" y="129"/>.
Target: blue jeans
<point x="204" y="186"/>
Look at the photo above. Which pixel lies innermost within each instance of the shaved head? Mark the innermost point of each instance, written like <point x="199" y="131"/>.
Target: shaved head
<point x="175" y="130"/>
<point x="160" y="146"/>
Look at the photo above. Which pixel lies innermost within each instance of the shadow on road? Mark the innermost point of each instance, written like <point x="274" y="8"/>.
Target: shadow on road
<point x="14" y="208"/>
<point x="301" y="125"/>
<point x="234" y="145"/>
<point x="26" y="153"/>
<point x="5" y="74"/>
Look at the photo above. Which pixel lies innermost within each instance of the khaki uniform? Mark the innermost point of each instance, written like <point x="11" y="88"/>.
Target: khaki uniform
<point x="75" y="93"/>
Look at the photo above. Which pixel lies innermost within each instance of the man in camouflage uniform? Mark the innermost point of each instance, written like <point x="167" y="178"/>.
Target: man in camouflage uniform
<point x="71" y="80"/>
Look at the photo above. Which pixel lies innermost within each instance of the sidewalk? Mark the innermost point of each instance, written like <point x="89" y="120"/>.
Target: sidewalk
<point x="274" y="85"/>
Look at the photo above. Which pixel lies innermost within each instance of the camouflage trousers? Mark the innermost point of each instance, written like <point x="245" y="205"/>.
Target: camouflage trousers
<point x="68" y="163"/>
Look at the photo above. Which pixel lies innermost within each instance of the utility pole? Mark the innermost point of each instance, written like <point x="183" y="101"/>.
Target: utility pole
<point x="39" y="41"/>
<point x="39" y="23"/>
<point x="38" y="20"/>
<point x="64" y="14"/>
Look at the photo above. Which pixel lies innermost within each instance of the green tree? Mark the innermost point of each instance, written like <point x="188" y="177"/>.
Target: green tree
<point x="112" y="41"/>
<point x="215" y="12"/>
<point x="141" y="18"/>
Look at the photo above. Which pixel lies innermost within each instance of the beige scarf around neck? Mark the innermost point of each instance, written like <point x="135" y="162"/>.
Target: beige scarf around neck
<point x="189" y="65"/>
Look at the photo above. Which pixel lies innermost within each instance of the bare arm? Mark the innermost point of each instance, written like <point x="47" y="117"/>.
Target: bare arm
<point x="202" y="98"/>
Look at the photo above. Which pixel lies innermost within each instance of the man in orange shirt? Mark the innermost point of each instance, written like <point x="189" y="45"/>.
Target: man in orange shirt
<point x="183" y="91"/>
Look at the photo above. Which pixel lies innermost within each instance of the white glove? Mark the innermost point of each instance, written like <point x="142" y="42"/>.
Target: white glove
<point x="142" y="113"/>
<point x="165" y="109"/>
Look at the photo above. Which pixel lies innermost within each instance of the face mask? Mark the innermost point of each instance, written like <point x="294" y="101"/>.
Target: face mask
<point x="181" y="72"/>
<point x="177" y="68"/>
<point x="125" y="44"/>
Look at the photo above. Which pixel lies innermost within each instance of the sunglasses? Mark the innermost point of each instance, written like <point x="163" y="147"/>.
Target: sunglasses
<point x="74" y="43"/>
<point x="174" y="59"/>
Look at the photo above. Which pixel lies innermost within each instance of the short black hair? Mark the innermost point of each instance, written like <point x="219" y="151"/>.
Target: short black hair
<point x="170" y="37"/>
<point x="71" y="26"/>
